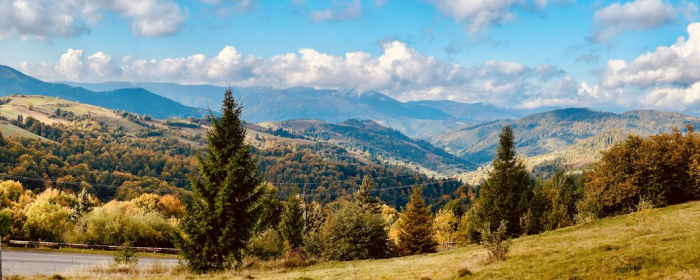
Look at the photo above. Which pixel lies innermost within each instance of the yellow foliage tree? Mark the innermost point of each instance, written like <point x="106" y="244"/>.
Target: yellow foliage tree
<point x="46" y="221"/>
<point x="445" y="226"/>
<point x="171" y="206"/>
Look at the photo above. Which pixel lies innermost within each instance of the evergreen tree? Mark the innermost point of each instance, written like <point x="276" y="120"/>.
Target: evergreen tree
<point x="83" y="206"/>
<point x="292" y="226"/>
<point x="222" y="214"/>
<point x="506" y="194"/>
<point x="416" y="234"/>
<point x="363" y="195"/>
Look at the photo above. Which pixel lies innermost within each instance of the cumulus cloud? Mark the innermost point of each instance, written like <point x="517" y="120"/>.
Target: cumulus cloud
<point x="638" y="15"/>
<point x="400" y="71"/>
<point x="71" y="64"/>
<point x="339" y="11"/>
<point x="674" y="65"/>
<point x="667" y="78"/>
<point x="102" y="65"/>
<point x="43" y="20"/>
<point x="150" y="18"/>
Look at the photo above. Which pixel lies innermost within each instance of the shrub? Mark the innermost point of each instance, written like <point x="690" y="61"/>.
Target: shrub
<point x="351" y="234"/>
<point x="463" y="272"/>
<point x="642" y="214"/>
<point x="46" y="221"/>
<point x="496" y="242"/>
<point x="126" y="255"/>
<point x="119" y="222"/>
<point x="266" y="245"/>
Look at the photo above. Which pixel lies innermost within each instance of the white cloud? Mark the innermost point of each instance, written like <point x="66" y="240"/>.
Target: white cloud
<point x="482" y="14"/>
<point x="638" y="15"/>
<point x="71" y="64"/>
<point x="339" y="11"/>
<point x="44" y="19"/>
<point x="667" y="78"/>
<point x="102" y="65"/>
<point x="400" y="71"/>
<point x="678" y="64"/>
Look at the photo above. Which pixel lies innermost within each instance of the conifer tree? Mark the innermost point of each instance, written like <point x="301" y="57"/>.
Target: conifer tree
<point x="220" y="219"/>
<point x="363" y="195"/>
<point x="83" y="206"/>
<point x="506" y="193"/>
<point x="416" y="234"/>
<point x="292" y="225"/>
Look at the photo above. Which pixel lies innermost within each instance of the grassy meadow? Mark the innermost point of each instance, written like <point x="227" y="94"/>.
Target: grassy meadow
<point x="661" y="244"/>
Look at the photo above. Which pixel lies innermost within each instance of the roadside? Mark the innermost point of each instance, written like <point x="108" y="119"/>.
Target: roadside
<point x="48" y="261"/>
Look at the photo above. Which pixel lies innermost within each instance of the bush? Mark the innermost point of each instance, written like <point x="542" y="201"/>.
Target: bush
<point x="266" y="245"/>
<point x="497" y="243"/>
<point x="643" y="213"/>
<point x="46" y="221"/>
<point x="119" y="222"/>
<point x="352" y="234"/>
<point x="126" y="255"/>
<point x="463" y="272"/>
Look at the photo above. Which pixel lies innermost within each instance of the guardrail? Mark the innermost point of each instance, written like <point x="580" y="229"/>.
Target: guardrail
<point x="89" y="246"/>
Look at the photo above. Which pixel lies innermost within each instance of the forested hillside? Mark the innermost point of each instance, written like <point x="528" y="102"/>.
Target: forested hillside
<point x="556" y="131"/>
<point x="376" y="142"/>
<point x="121" y="155"/>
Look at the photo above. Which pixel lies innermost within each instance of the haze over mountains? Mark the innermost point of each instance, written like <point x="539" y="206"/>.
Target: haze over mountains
<point x="130" y="99"/>
<point x="469" y="132"/>
<point x="420" y="119"/>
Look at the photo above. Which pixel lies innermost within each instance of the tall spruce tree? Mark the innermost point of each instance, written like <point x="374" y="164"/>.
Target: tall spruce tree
<point x="416" y="233"/>
<point x="506" y="193"/>
<point x="219" y="221"/>
<point x="292" y="225"/>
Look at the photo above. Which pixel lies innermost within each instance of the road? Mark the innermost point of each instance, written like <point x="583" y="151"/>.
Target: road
<point x="27" y="263"/>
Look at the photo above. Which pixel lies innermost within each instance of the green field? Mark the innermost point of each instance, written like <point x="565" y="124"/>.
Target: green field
<point x="666" y="245"/>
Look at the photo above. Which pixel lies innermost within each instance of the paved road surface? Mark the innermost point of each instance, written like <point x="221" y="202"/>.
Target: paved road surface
<point x="22" y="262"/>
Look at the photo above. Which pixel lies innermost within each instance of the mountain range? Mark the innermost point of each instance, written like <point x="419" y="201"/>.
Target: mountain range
<point x="556" y="131"/>
<point x="454" y="135"/>
<point x="419" y="119"/>
<point x="136" y="100"/>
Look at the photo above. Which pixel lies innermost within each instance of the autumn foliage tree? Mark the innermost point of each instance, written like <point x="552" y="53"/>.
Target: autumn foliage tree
<point x="416" y="234"/>
<point x="661" y="169"/>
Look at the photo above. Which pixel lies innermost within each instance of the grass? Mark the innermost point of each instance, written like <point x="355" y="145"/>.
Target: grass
<point x="611" y="248"/>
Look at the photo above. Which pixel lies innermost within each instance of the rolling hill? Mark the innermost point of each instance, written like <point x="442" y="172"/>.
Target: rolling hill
<point x="136" y="100"/>
<point x="610" y="248"/>
<point x="375" y="142"/>
<point x="557" y="131"/>
<point x="283" y="155"/>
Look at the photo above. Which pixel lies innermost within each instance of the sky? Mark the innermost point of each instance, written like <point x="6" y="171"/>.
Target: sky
<point x="526" y="54"/>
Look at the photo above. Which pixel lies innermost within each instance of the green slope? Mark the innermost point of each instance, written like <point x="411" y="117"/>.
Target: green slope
<point x="611" y="248"/>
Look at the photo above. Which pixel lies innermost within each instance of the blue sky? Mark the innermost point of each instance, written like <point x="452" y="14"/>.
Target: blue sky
<point x="513" y="53"/>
